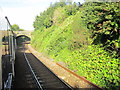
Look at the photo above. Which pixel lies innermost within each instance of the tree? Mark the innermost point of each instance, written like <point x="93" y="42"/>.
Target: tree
<point x="21" y="29"/>
<point x="15" y="27"/>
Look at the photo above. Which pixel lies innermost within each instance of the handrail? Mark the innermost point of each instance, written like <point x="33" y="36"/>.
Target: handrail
<point x="8" y="83"/>
<point x="8" y="21"/>
<point x="12" y="41"/>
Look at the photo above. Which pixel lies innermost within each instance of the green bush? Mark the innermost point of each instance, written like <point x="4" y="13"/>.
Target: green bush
<point x="96" y="65"/>
<point x="103" y="20"/>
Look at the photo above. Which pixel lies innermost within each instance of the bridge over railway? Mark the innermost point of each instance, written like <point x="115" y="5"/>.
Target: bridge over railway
<point x="22" y="67"/>
<point x="23" y="33"/>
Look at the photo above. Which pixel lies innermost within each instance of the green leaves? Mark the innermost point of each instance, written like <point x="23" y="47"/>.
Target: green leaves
<point x="97" y="65"/>
<point x="55" y="14"/>
<point x="15" y="27"/>
<point x="103" y="20"/>
<point x="108" y="17"/>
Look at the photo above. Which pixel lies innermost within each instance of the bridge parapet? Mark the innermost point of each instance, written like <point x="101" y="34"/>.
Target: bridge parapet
<point x="26" y="33"/>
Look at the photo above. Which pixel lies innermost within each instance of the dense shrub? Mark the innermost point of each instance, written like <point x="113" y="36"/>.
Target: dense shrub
<point x="103" y="20"/>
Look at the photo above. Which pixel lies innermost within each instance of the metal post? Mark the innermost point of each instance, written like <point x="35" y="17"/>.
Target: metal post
<point x="0" y="60"/>
<point x="9" y="43"/>
<point x="13" y="54"/>
<point x="15" y="44"/>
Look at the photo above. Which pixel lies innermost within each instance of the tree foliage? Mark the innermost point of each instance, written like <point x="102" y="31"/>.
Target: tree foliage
<point x="103" y="20"/>
<point x="15" y="27"/>
<point x="47" y="18"/>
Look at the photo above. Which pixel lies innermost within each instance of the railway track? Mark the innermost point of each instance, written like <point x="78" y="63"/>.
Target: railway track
<point x="32" y="73"/>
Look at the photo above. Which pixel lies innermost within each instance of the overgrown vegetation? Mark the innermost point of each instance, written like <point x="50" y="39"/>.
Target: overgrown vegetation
<point x="85" y="37"/>
<point x="103" y="20"/>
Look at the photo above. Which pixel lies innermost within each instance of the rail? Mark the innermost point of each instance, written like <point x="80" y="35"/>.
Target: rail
<point x="37" y="81"/>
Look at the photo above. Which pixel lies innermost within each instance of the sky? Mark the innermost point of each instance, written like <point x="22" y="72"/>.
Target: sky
<point x="23" y="12"/>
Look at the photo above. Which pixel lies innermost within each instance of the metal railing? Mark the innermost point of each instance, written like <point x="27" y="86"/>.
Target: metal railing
<point x="12" y="47"/>
<point x="8" y="83"/>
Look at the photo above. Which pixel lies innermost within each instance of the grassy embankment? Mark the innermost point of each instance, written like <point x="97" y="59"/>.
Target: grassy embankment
<point x="69" y="41"/>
